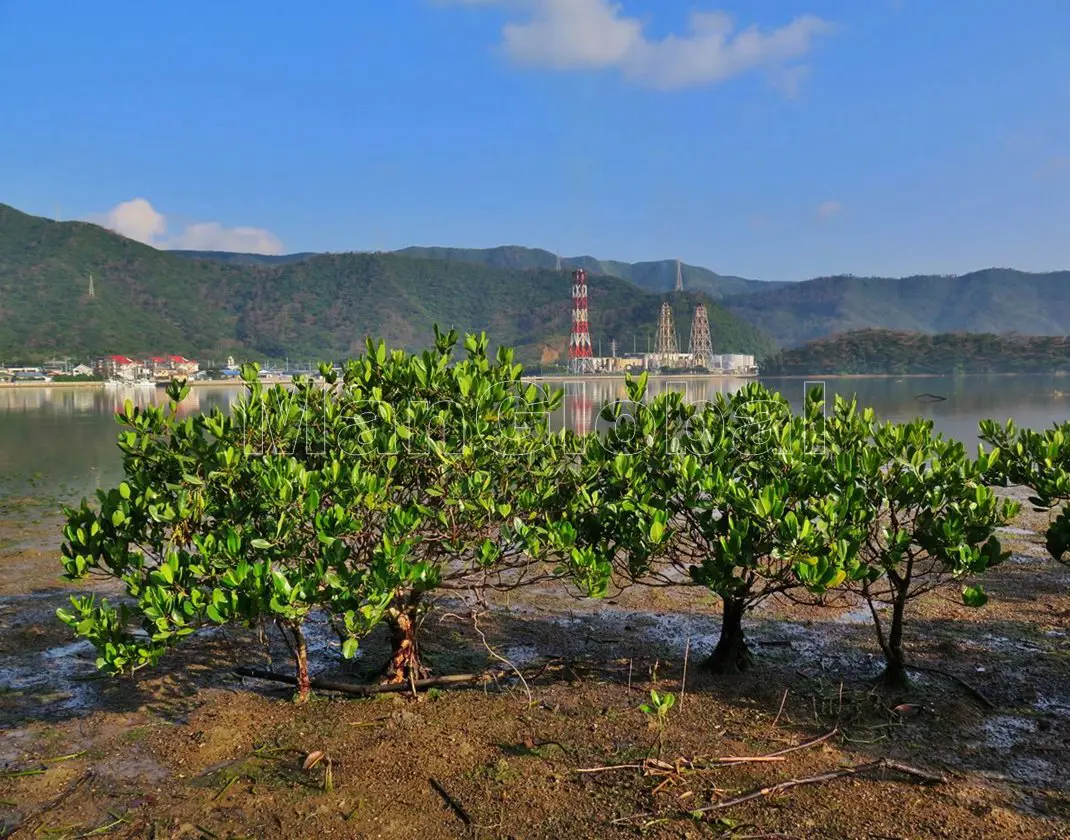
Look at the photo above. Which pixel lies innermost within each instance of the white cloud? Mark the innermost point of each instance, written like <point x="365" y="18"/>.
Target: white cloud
<point x="596" y="34"/>
<point x="212" y="236"/>
<point x="828" y="209"/>
<point x="134" y="219"/>
<point x="138" y="219"/>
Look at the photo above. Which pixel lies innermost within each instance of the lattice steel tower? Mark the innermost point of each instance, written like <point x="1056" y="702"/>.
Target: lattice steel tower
<point x="701" y="346"/>
<point x="665" y="343"/>
<point x="579" y="342"/>
<point x="679" y="276"/>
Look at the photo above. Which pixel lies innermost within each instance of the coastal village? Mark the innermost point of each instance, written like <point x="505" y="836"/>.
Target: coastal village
<point x="117" y="368"/>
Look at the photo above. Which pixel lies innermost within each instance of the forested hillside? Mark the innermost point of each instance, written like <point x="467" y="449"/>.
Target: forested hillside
<point x="323" y="305"/>
<point x="656" y="276"/>
<point x="245" y="259"/>
<point x="898" y="353"/>
<point x="149" y="301"/>
<point x="996" y="300"/>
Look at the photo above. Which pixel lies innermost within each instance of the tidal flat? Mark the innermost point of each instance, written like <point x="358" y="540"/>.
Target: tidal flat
<point x="191" y="750"/>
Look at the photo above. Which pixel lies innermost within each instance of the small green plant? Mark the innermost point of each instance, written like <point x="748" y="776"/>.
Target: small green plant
<point x="657" y="710"/>
<point x="932" y="518"/>
<point x="1039" y="461"/>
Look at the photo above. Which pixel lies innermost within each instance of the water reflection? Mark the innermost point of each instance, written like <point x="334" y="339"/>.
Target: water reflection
<point x="584" y="398"/>
<point x="57" y="439"/>
<point x="67" y="401"/>
<point x="61" y="440"/>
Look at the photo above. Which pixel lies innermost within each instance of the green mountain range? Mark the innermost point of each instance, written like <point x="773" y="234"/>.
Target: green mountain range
<point x="657" y="276"/>
<point x="323" y="305"/>
<point x="314" y="307"/>
<point x="996" y="300"/>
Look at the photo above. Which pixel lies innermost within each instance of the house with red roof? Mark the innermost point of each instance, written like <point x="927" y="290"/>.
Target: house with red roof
<point x="119" y="367"/>
<point x="172" y="366"/>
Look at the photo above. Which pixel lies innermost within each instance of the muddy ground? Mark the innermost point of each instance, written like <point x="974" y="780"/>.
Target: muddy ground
<point x="193" y="751"/>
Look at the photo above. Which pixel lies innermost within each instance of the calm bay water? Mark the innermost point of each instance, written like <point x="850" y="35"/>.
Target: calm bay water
<point x="57" y="441"/>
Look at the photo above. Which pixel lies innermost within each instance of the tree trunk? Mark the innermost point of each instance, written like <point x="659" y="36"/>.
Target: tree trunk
<point x="404" y="663"/>
<point x="895" y="672"/>
<point x="731" y="656"/>
<point x="304" y="683"/>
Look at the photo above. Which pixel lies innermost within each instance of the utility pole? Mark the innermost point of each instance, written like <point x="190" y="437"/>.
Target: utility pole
<point x="701" y="344"/>
<point x="667" y="344"/>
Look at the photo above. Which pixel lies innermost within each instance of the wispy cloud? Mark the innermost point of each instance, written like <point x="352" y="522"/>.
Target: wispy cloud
<point x="597" y="35"/>
<point x="828" y="209"/>
<point x="138" y="219"/>
<point x="788" y="80"/>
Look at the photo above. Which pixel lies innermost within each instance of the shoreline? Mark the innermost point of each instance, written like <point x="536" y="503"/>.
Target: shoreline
<point x="567" y="377"/>
<point x="203" y="383"/>
<point x="902" y="375"/>
<point x="561" y="377"/>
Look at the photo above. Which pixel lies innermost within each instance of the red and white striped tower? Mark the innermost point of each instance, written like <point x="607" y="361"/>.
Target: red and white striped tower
<point x="579" y="342"/>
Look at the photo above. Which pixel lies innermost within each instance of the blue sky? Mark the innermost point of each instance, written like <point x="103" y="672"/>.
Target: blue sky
<point x="816" y="136"/>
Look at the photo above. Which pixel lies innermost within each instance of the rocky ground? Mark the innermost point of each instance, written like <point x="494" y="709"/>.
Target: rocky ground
<point x="191" y="750"/>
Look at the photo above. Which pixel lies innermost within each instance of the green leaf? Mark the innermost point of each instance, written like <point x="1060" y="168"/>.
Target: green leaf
<point x="974" y="596"/>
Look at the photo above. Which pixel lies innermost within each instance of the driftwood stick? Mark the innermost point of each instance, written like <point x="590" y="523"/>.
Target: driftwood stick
<point x="773" y="756"/>
<point x="805" y="744"/>
<point x="723" y="761"/>
<point x="780" y="711"/>
<point x="611" y="767"/>
<point x="975" y="692"/>
<point x="772" y="790"/>
<point x="454" y="805"/>
<point x="358" y="689"/>
<point x="683" y="679"/>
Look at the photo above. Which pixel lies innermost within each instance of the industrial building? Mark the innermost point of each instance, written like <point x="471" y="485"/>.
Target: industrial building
<point x="667" y="354"/>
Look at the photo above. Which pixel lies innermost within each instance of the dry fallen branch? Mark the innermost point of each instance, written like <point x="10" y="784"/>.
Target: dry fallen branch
<point x="453" y="804"/>
<point x="654" y="766"/>
<point x="729" y="760"/>
<point x="359" y="689"/>
<point x="806" y="744"/>
<point x="610" y="767"/>
<point x="780" y="711"/>
<point x="772" y="790"/>
<point x="34" y="818"/>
